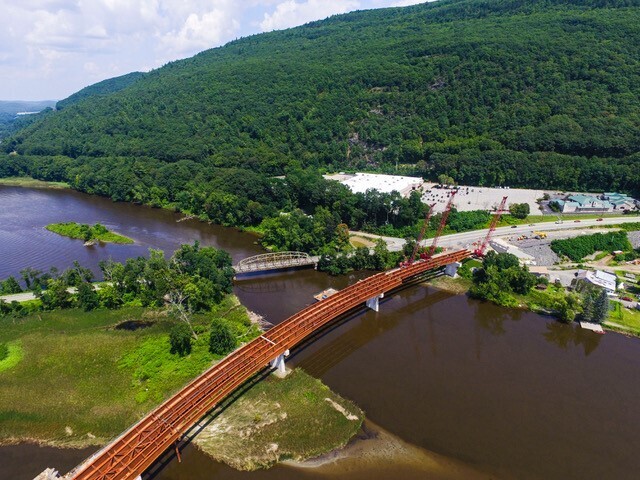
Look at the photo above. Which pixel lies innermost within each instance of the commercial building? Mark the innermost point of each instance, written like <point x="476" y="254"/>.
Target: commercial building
<point x="361" y="182"/>
<point x="605" y="203"/>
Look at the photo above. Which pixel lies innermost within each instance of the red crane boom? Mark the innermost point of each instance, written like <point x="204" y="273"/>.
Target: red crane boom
<point x="443" y="222"/>
<point x="424" y="229"/>
<point x="479" y="252"/>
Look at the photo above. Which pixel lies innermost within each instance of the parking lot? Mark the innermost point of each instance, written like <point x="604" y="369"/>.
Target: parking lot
<point x="480" y="198"/>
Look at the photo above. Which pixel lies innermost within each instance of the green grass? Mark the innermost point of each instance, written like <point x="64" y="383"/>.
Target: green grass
<point x="31" y="183"/>
<point x="542" y="301"/>
<point x="279" y="419"/>
<point x="10" y="355"/>
<point x="77" y="371"/>
<point x="75" y="230"/>
<point x="627" y="319"/>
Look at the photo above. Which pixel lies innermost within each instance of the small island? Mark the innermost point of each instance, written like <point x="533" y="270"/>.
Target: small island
<point x="90" y="234"/>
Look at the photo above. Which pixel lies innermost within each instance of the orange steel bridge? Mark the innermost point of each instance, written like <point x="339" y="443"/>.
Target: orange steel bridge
<point x="131" y="454"/>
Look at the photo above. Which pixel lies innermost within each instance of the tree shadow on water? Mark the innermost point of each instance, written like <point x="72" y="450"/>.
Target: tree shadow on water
<point x="564" y="335"/>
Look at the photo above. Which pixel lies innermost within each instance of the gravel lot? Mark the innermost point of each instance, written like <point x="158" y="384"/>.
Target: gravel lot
<point x="634" y="238"/>
<point x="541" y="252"/>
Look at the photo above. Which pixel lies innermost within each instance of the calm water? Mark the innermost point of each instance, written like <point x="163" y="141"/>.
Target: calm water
<point x="469" y="390"/>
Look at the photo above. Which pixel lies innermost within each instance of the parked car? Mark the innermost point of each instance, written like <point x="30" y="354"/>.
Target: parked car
<point x="626" y="299"/>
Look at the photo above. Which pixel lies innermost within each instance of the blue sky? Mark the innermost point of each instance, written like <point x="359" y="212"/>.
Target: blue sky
<point x="50" y="49"/>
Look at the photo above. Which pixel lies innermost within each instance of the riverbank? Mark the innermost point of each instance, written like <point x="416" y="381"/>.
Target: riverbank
<point x="621" y="319"/>
<point x="95" y="233"/>
<point x="29" y="182"/>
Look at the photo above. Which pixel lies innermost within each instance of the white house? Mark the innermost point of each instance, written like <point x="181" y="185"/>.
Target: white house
<point x="599" y="278"/>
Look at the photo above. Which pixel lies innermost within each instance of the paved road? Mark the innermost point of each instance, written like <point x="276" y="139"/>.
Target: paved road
<point x="466" y="239"/>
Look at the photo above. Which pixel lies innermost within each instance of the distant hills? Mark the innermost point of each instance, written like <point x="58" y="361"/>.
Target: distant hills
<point x="537" y="93"/>
<point x="12" y="112"/>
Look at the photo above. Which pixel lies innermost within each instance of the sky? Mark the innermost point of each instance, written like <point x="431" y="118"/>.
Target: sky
<point x="50" y="49"/>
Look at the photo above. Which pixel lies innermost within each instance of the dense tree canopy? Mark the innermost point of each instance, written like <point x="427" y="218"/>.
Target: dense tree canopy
<point x="520" y="93"/>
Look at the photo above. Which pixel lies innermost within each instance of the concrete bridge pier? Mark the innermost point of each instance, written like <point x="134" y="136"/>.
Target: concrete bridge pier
<point x="374" y="303"/>
<point x="452" y="269"/>
<point x="278" y="364"/>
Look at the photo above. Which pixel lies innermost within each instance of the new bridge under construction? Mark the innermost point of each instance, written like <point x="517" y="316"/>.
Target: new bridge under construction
<point x="137" y="449"/>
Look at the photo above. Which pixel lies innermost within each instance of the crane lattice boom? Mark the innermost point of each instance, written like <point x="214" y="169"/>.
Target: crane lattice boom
<point x="479" y="252"/>
<point x="443" y="222"/>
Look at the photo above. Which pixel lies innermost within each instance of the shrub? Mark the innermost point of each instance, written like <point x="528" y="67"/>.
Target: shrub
<point x="180" y="339"/>
<point x="221" y="339"/>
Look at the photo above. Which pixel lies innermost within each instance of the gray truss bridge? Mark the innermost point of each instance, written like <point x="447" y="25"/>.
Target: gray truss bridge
<point x="274" y="261"/>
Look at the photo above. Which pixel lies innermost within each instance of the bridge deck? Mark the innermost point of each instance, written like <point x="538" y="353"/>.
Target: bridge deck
<point x="138" y="448"/>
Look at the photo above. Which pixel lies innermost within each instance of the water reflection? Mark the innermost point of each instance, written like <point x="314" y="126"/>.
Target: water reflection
<point x="564" y="335"/>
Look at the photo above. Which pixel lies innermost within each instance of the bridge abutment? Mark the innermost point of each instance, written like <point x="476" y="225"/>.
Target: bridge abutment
<point x="452" y="269"/>
<point x="374" y="303"/>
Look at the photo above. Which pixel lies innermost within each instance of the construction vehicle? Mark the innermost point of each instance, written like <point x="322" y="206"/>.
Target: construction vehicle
<point x="479" y="252"/>
<point x="540" y="235"/>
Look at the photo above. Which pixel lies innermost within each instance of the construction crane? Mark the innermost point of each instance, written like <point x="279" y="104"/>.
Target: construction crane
<point x="443" y="222"/>
<point x="425" y="224"/>
<point x="479" y="252"/>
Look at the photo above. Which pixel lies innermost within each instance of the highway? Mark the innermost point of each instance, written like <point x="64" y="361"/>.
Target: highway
<point x="466" y="239"/>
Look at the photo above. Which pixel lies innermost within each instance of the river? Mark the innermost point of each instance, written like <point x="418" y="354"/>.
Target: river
<point x="452" y="388"/>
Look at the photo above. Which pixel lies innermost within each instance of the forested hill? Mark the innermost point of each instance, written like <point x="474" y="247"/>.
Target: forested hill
<point x="514" y="92"/>
<point x="106" y="87"/>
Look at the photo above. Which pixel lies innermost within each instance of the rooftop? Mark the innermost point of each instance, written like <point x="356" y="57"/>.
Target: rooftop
<point x="361" y="182"/>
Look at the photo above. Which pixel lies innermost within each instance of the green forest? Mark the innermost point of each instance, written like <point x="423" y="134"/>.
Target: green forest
<point x="542" y="94"/>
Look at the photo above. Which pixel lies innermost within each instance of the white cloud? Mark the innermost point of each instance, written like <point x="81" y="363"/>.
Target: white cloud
<point x="291" y="13"/>
<point x="53" y="48"/>
<point x="200" y="32"/>
<point x="406" y="3"/>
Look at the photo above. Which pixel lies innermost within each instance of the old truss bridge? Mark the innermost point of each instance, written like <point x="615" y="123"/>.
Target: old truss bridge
<point x="274" y="261"/>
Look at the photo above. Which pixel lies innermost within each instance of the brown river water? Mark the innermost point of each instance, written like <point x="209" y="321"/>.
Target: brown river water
<point x="452" y="388"/>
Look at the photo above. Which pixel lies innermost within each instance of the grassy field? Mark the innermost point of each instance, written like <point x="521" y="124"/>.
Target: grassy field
<point x="76" y="380"/>
<point x="77" y="230"/>
<point x="297" y="418"/>
<point x="624" y="319"/>
<point x="31" y="183"/>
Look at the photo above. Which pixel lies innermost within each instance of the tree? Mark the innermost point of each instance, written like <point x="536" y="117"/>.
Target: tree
<point x="519" y="210"/>
<point x="110" y="296"/>
<point x="601" y="307"/>
<point x="221" y="339"/>
<point x="87" y="297"/>
<point x="56" y="295"/>
<point x="588" y="305"/>
<point x="180" y="339"/>
<point x="77" y="275"/>
<point x="10" y="286"/>
<point x="445" y="179"/>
